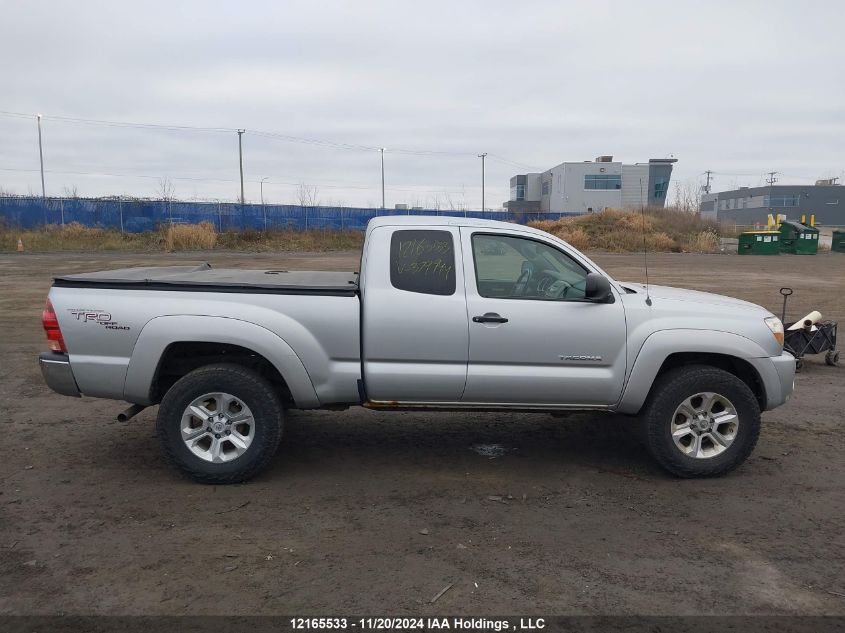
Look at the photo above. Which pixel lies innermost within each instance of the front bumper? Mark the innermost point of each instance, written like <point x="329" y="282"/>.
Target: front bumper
<point x="778" y="376"/>
<point x="57" y="373"/>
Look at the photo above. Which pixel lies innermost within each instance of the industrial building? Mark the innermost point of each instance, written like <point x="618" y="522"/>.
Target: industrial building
<point x="749" y="206"/>
<point x="590" y="186"/>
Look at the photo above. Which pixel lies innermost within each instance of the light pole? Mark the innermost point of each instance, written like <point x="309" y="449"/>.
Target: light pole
<point x="381" y="149"/>
<point x="261" y="182"/>
<point x="263" y="210"/>
<point x="41" y="157"/>
<point x="482" y="157"/>
<point x="241" y="161"/>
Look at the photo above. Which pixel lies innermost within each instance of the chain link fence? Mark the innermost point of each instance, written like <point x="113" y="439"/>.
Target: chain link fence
<point x="137" y="216"/>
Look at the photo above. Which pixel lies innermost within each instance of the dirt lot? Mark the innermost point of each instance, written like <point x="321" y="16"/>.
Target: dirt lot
<point x="375" y="512"/>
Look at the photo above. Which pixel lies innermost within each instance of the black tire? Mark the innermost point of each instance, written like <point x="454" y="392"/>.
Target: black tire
<point x="675" y="386"/>
<point x="244" y="384"/>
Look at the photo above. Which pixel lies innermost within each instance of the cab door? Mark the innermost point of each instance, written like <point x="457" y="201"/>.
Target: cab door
<point x="533" y="338"/>
<point x="414" y="320"/>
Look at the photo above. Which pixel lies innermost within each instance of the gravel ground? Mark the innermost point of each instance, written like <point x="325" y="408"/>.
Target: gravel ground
<point x="373" y="512"/>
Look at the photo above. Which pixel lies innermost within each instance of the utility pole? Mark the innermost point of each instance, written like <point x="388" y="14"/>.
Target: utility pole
<point x="41" y="157"/>
<point x="241" y="161"/>
<point x="482" y="157"/>
<point x="381" y="149"/>
<point x="707" y="186"/>
<point x="771" y="180"/>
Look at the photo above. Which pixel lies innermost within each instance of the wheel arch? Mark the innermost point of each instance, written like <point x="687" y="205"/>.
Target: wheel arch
<point x="171" y="346"/>
<point x="182" y="357"/>
<point x="739" y="367"/>
<point x="669" y="349"/>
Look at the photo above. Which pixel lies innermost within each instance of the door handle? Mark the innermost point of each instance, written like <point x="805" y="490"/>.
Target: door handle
<point x="489" y="317"/>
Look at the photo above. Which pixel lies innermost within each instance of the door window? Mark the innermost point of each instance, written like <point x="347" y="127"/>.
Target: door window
<point x="509" y="267"/>
<point x="423" y="261"/>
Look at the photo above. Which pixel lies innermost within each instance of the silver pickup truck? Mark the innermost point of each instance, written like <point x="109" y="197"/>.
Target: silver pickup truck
<point x="446" y="314"/>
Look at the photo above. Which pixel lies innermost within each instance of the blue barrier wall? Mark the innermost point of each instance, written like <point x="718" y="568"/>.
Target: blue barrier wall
<point x="136" y="216"/>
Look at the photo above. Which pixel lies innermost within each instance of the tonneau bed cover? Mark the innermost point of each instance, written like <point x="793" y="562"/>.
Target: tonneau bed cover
<point x="204" y="278"/>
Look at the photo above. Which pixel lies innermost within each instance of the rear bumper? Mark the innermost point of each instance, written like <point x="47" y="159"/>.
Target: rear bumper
<point x="57" y="373"/>
<point x="778" y="376"/>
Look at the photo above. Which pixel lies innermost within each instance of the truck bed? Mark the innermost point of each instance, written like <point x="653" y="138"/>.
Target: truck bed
<point x="204" y="278"/>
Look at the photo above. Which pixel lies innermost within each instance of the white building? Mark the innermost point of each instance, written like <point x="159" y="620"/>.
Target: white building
<point x="591" y="186"/>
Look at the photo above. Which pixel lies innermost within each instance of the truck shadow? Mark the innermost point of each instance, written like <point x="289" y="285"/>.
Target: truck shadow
<point x="364" y="445"/>
<point x="361" y="440"/>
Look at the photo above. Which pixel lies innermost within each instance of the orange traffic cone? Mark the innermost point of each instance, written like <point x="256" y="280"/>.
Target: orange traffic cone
<point x="20" y="245"/>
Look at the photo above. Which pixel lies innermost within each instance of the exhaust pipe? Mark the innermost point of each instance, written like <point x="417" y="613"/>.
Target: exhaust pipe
<point x="131" y="412"/>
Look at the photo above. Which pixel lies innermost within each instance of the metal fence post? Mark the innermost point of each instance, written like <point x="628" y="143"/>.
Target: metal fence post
<point x="62" y="209"/>
<point x="120" y="208"/>
<point x="306" y="218"/>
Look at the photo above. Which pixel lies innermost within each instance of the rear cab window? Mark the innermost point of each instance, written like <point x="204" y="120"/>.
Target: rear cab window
<point x="423" y="261"/>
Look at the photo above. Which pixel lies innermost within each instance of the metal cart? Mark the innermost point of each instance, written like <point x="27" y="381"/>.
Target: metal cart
<point x="807" y="341"/>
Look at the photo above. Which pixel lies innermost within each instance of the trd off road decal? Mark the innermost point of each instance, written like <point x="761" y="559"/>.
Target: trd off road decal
<point x="100" y="317"/>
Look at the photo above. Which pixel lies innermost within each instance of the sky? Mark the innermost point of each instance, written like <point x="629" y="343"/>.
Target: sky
<point x="739" y="88"/>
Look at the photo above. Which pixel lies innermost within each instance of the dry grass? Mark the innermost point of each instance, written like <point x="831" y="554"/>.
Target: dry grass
<point x="291" y="241"/>
<point x="75" y="237"/>
<point x="611" y="230"/>
<point x="703" y="242"/>
<point x="190" y="237"/>
<point x="180" y="237"/>
<point x="624" y="231"/>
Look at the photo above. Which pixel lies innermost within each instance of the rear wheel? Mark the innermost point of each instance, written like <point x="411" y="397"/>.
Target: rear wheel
<point x="220" y="424"/>
<point x="701" y="421"/>
<point x="832" y="357"/>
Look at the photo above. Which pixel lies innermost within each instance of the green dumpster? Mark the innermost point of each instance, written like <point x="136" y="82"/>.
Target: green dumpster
<point x="759" y="243"/>
<point x="838" y="243"/>
<point x="798" y="238"/>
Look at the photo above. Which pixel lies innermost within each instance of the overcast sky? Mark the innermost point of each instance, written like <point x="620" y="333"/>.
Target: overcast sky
<point x="740" y="88"/>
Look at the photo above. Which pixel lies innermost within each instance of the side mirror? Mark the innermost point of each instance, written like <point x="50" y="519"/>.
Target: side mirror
<point x="597" y="289"/>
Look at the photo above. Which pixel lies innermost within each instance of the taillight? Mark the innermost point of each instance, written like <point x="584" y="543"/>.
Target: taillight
<point x="51" y="327"/>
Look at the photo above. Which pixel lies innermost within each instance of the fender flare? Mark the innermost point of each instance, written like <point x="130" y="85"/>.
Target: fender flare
<point x="662" y="344"/>
<point x="161" y="332"/>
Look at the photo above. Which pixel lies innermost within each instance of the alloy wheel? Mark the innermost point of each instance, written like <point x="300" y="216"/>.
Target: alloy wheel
<point x="704" y="425"/>
<point x="217" y="427"/>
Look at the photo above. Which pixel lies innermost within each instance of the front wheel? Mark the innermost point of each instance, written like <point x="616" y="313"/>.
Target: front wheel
<point x="220" y="424"/>
<point x="701" y="421"/>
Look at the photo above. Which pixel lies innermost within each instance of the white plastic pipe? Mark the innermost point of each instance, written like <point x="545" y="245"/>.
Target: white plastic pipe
<point x="807" y="322"/>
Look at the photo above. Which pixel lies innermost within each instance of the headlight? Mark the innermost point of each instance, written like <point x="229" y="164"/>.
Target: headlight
<point x="776" y="327"/>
